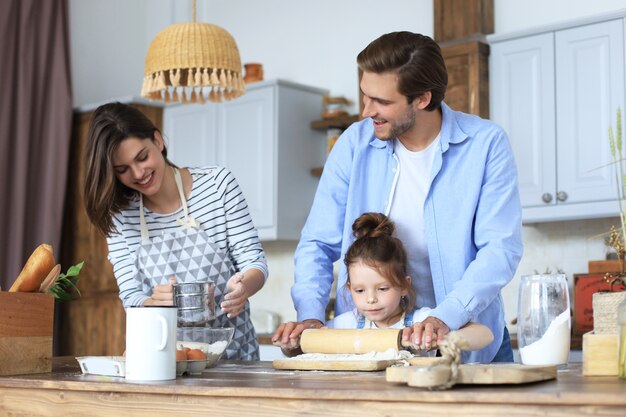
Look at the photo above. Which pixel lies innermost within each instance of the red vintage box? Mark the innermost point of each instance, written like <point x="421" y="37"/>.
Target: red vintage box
<point x="584" y="287"/>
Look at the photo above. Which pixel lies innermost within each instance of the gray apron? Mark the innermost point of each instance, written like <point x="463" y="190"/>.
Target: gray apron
<point x="190" y="255"/>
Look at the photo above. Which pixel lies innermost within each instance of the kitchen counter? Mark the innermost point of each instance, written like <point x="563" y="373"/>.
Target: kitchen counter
<point x="253" y="388"/>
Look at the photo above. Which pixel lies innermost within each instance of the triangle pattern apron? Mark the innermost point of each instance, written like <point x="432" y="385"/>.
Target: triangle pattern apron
<point x="190" y="255"/>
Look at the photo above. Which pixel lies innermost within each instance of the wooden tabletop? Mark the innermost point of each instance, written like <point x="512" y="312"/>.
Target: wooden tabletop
<point x="254" y="388"/>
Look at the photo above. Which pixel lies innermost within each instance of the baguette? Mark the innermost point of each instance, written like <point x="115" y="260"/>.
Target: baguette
<point x="36" y="269"/>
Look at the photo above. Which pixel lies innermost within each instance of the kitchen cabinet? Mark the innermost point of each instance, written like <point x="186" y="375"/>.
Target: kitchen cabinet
<point x="556" y="92"/>
<point x="265" y="139"/>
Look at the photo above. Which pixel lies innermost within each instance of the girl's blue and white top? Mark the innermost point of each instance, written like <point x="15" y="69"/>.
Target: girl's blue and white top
<point x="353" y="320"/>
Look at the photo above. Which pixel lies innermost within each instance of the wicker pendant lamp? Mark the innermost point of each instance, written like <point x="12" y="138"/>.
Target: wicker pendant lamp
<point x="193" y="62"/>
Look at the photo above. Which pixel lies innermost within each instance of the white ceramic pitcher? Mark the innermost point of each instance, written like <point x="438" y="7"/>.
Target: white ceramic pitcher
<point x="150" y="343"/>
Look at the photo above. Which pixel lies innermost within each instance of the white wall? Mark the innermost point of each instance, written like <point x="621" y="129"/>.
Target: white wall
<point x="315" y="43"/>
<point x="310" y="42"/>
<point x="567" y="246"/>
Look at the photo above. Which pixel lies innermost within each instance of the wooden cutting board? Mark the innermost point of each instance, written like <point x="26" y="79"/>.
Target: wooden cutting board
<point x="350" y="365"/>
<point x="331" y="365"/>
<point x="505" y="373"/>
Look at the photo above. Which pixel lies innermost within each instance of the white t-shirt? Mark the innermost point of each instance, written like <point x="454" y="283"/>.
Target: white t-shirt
<point x="407" y="212"/>
<point x="349" y="320"/>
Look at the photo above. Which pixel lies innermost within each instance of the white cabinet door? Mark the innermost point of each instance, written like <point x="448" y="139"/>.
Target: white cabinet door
<point x="246" y="146"/>
<point x="264" y="137"/>
<point x="191" y="135"/>
<point x="522" y="77"/>
<point x="589" y="88"/>
<point x="556" y="94"/>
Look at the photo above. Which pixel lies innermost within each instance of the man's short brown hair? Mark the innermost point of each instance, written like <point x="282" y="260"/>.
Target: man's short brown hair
<point x="417" y="60"/>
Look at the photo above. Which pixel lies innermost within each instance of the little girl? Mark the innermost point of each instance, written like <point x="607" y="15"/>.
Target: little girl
<point x="380" y="289"/>
<point x="378" y="282"/>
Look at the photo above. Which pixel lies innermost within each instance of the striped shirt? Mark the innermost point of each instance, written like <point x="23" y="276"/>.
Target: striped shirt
<point x="216" y="202"/>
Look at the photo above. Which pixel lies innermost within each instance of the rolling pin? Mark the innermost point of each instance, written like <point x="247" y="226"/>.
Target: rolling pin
<point x="350" y="340"/>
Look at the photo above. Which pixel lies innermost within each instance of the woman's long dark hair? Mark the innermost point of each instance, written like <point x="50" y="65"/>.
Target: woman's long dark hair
<point x="103" y="194"/>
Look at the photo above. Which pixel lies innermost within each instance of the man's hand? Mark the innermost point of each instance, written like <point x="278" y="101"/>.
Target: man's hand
<point x="287" y="336"/>
<point x="426" y="335"/>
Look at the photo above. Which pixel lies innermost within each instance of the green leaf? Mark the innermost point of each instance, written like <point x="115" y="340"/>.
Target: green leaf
<point x="65" y="283"/>
<point x="74" y="270"/>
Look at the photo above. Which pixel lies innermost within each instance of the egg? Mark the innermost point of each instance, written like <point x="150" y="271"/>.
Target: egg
<point x="181" y="355"/>
<point x="196" y="355"/>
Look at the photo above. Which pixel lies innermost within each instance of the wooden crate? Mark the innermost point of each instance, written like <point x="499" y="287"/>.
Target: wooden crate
<point x="600" y="354"/>
<point x="585" y="285"/>
<point x="613" y="265"/>
<point x="26" y="328"/>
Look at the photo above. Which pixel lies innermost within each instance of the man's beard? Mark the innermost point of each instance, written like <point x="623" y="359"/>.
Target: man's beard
<point x="401" y="127"/>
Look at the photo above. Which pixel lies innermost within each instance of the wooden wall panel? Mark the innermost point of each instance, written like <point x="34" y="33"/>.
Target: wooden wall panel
<point x="93" y="324"/>
<point x="468" y="77"/>
<point x="457" y="19"/>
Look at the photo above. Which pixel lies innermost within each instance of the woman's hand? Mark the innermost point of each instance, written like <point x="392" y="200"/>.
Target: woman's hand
<point x="162" y="295"/>
<point x="238" y="291"/>
<point x="236" y="296"/>
<point x="425" y="335"/>
<point x="287" y="336"/>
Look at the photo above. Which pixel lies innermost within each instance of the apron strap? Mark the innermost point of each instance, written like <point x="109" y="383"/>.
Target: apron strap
<point x="408" y="318"/>
<point x="360" y="321"/>
<point x="185" y="221"/>
<point x="142" y="220"/>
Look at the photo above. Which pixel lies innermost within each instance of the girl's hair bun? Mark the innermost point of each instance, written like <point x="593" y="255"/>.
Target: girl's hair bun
<point x="372" y="225"/>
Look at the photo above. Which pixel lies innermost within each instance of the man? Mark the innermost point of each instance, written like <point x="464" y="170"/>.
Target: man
<point x="447" y="180"/>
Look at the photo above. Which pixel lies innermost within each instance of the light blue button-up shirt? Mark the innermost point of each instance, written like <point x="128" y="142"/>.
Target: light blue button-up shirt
<point x="472" y="218"/>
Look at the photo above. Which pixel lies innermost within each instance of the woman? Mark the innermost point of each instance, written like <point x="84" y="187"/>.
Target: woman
<point x="165" y="224"/>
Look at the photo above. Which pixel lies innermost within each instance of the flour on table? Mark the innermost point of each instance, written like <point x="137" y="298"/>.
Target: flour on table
<point x="388" y="355"/>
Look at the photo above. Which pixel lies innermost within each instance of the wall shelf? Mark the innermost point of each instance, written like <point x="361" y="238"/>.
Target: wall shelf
<point x="335" y="123"/>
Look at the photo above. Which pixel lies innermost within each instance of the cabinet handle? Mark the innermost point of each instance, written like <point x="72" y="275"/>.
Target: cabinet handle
<point x="547" y="198"/>
<point x="561" y="196"/>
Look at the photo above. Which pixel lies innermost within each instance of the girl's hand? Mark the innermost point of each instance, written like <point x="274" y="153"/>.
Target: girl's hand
<point x="162" y="295"/>
<point x="425" y="335"/>
<point x="236" y="296"/>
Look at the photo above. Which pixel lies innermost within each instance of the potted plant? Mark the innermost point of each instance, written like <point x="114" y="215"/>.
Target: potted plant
<point x="605" y="304"/>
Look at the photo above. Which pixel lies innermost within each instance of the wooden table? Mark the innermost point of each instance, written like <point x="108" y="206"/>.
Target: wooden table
<point x="254" y="388"/>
